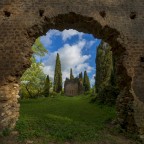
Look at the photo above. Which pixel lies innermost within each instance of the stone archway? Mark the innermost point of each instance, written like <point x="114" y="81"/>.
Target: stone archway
<point x="118" y="22"/>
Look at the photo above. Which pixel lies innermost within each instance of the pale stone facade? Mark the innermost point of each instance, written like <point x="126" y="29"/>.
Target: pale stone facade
<point x="118" y="22"/>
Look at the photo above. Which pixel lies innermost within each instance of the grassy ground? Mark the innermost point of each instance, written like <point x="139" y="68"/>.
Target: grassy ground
<point x="65" y="120"/>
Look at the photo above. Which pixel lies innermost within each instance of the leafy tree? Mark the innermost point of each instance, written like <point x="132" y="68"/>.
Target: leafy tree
<point x="32" y="81"/>
<point x="86" y="82"/>
<point x="58" y="76"/>
<point x="71" y="74"/>
<point x="106" y="88"/>
<point x="104" y="66"/>
<point x="47" y="86"/>
<point x="38" y="48"/>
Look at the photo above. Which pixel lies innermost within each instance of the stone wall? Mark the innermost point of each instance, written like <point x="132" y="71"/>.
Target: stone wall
<point x="71" y="89"/>
<point x="118" y="22"/>
<point x="9" y="107"/>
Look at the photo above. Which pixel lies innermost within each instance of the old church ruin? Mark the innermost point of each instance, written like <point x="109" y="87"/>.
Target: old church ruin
<point x="73" y="87"/>
<point x="117" y="22"/>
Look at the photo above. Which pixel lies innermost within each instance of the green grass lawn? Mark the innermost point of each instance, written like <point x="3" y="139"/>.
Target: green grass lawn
<point x="63" y="119"/>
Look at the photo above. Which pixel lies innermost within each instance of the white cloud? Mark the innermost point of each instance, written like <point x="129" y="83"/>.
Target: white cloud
<point x="84" y="66"/>
<point x="90" y="43"/>
<point x="67" y="34"/>
<point x="46" y="39"/>
<point x="71" y="57"/>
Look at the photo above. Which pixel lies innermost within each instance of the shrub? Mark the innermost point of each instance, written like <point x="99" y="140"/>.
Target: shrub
<point x="108" y="95"/>
<point x="53" y="93"/>
<point x="62" y="93"/>
<point x="88" y="93"/>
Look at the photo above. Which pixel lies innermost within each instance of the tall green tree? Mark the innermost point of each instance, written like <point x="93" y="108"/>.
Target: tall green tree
<point x="86" y="82"/>
<point x="47" y="86"/>
<point x="106" y="87"/>
<point x="32" y="81"/>
<point x="57" y="75"/>
<point x="104" y="66"/>
<point x="71" y="74"/>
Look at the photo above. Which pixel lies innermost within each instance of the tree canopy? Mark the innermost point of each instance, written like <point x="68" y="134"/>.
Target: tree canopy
<point x="106" y="87"/>
<point x="38" y="48"/>
<point x="32" y="81"/>
<point x="47" y="86"/>
<point x="57" y="75"/>
<point x="86" y="82"/>
<point x="103" y="66"/>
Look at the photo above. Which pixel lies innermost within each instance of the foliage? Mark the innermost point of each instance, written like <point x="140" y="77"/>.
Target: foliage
<point x="62" y="92"/>
<point x="86" y="82"/>
<point x="63" y="119"/>
<point x="53" y="94"/>
<point x="87" y="93"/>
<point x="38" y="48"/>
<point x="103" y="66"/>
<point x="106" y="87"/>
<point x="91" y="93"/>
<point x="108" y="95"/>
<point x="58" y="75"/>
<point x="81" y="76"/>
<point x="71" y="74"/>
<point x="47" y="86"/>
<point x="32" y="81"/>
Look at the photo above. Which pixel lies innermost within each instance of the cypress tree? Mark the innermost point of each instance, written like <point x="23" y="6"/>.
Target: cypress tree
<point x="81" y="76"/>
<point x="86" y="82"/>
<point x="47" y="86"/>
<point x="71" y="74"/>
<point x="58" y="75"/>
<point x="104" y="66"/>
<point x="106" y="87"/>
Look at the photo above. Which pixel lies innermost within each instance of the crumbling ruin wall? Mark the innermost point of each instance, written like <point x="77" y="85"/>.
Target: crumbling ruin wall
<point x="71" y="89"/>
<point x="118" y="22"/>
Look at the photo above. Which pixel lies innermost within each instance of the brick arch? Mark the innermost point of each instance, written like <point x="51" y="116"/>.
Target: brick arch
<point x="117" y="22"/>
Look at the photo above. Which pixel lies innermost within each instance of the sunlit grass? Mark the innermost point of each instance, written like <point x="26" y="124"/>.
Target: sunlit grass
<point x="62" y="119"/>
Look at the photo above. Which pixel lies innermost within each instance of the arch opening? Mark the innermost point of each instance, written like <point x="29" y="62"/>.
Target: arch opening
<point x="87" y="25"/>
<point x="71" y="89"/>
<point x="107" y="34"/>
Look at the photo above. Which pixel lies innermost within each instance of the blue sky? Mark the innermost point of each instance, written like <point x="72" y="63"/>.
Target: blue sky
<point x="77" y="50"/>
